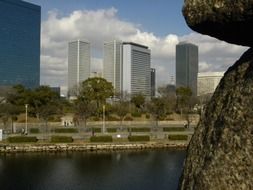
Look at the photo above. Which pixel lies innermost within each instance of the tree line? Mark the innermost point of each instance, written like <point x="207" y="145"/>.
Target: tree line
<point x="92" y="95"/>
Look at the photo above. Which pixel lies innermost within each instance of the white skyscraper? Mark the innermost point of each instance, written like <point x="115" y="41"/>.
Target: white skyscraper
<point x="127" y="66"/>
<point x="78" y="64"/>
<point x="136" y="69"/>
<point x="112" y="70"/>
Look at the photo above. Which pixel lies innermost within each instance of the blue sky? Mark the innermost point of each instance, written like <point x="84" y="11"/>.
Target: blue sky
<point x="158" y="16"/>
<point x="158" y="24"/>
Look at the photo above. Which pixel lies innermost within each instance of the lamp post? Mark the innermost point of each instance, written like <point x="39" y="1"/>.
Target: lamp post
<point x="103" y="118"/>
<point x="26" y="130"/>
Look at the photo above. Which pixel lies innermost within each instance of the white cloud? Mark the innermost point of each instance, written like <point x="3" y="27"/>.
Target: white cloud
<point x="102" y="25"/>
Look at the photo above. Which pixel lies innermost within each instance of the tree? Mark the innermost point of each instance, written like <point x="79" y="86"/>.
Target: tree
<point x="183" y="97"/>
<point x="138" y="100"/>
<point x="42" y="97"/>
<point x="9" y="111"/>
<point x="158" y="107"/>
<point x="185" y="101"/>
<point x="96" y="89"/>
<point x="121" y="109"/>
<point x="83" y="109"/>
<point x="18" y="95"/>
<point x="167" y="90"/>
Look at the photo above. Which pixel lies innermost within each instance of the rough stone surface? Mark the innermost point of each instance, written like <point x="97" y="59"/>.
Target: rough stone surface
<point x="228" y="20"/>
<point x="220" y="154"/>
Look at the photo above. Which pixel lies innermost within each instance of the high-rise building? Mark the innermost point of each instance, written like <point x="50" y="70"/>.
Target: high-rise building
<point x="112" y="70"/>
<point x="78" y="64"/>
<point x="208" y="81"/>
<point x="153" y="82"/>
<point x="187" y="66"/>
<point x="19" y="43"/>
<point x="136" y="69"/>
<point x="127" y="67"/>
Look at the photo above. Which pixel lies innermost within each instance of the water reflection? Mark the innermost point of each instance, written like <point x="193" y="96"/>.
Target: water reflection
<point x="95" y="171"/>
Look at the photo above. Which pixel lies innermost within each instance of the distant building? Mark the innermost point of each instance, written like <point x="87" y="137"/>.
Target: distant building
<point x="187" y="66"/>
<point x="19" y="43"/>
<point x="136" y="69"/>
<point x="79" y="58"/>
<point x="207" y="82"/>
<point x="153" y="82"/>
<point x="96" y="74"/>
<point x="127" y="67"/>
<point x="112" y="70"/>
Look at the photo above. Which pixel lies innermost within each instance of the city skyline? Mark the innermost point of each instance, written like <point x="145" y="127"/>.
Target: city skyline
<point x="108" y="20"/>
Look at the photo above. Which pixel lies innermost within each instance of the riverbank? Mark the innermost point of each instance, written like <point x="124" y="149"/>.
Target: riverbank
<point x="88" y="147"/>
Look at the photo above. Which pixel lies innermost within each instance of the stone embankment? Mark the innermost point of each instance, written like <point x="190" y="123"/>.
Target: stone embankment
<point x="23" y="148"/>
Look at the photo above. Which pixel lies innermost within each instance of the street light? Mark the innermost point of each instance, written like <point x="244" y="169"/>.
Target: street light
<point x="103" y="118"/>
<point x="26" y="130"/>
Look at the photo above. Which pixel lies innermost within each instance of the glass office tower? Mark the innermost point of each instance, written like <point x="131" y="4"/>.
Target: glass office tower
<point x="19" y="43"/>
<point x="187" y="66"/>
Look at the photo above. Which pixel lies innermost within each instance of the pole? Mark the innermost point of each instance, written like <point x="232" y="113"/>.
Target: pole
<point x="26" y="130"/>
<point x="103" y="118"/>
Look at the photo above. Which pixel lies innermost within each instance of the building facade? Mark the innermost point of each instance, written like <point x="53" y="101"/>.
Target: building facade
<point x="136" y="69"/>
<point x="19" y="43"/>
<point x="207" y="82"/>
<point x="187" y="66"/>
<point x="79" y="58"/>
<point x="112" y="70"/>
<point x="153" y="82"/>
<point x="127" y="67"/>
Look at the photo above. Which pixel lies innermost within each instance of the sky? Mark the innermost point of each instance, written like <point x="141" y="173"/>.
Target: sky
<point x="158" y="24"/>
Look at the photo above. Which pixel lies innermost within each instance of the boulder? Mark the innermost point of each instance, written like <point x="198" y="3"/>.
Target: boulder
<point x="228" y="20"/>
<point x="220" y="154"/>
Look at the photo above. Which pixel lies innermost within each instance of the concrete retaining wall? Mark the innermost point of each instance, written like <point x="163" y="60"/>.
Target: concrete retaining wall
<point x="22" y="148"/>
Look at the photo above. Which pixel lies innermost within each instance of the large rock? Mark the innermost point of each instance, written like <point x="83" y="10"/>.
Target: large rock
<point x="228" y="20"/>
<point x="220" y="154"/>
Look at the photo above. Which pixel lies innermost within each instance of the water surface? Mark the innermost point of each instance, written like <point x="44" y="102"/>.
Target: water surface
<point x="140" y="170"/>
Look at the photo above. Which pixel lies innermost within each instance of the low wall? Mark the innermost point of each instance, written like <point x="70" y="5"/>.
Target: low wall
<point x="22" y="148"/>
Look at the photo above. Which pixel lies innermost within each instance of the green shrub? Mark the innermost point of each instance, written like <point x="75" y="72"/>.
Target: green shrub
<point x="65" y="130"/>
<point x="136" y="114"/>
<point x="96" y="118"/>
<point x="112" y="118"/>
<point x="61" y="139"/>
<point x="111" y="130"/>
<point x="139" y="138"/>
<point x="22" y="139"/>
<point x="101" y="139"/>
<point x="139" y="129"/>
<point x="169" y="129"/>
<point x="128" y="118"/>
<point x="178" y="137"/>
<point x="34" y="130"/>
<point x="96" y="130"/>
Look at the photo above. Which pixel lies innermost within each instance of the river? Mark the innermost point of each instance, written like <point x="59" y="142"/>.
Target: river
<point x="131" y="170"/>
